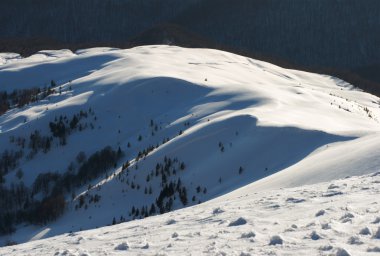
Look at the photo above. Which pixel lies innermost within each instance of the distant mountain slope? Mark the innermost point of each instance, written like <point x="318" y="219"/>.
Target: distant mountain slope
<point x="103" y="135"/>
<point x="328" y="36"/>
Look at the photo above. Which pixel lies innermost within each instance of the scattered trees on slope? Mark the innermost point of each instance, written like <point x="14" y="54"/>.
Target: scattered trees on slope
<point x="20" y="98"/>
<point x="19" y="203"/>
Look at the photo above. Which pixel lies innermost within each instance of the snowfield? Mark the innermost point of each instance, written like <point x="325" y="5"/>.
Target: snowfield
<point x="245" y="134"/>
<point x="334" y="218"/>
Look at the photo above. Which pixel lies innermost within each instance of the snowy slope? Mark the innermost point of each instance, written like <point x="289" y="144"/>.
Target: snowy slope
<point x="334" y="218"/>
<point x="231" y="120"/>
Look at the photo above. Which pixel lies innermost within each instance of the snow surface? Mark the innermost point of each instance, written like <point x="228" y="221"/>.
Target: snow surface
<point x="285" y="128"/>
<point x="321" y="219"/>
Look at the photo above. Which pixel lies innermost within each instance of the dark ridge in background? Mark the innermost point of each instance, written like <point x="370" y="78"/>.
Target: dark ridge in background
<point x="336" y="37"/>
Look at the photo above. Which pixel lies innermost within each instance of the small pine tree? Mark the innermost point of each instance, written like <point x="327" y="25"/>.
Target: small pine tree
<point x="152" y="210"/>
<point x="183" y="196"/>
<point x="133" y="210"/>
<point x="142" y="211"/>
<point x="19" y="174"/>
<point x="119" y="152"/>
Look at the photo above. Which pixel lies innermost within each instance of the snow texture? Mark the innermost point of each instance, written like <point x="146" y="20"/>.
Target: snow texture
<point x="250" y="133"/>
<point x="199" y="231"/>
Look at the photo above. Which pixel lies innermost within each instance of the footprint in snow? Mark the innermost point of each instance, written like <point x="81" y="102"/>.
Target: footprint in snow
<point x="273" y="206"/>
<point x="289" y="230"/>
<point x="197" y="233"/>
<point x="217" y="211"/>
<point x="354" y="240"/>
<point x="376" y="221"/>
<point x="325" y="226"/>
<point x="64" y="253"/>
<point x="240" y="221"/>
<point x="347" y="217"/>
<point x="248" y="235"/>
<point x="170" y="222"/>
<point x="314" y="236"/>
<point x="295" y="200"/>
<point x="342" y="252"/>
<point x="221" y="253"/>
<point x="332" y="186"/>
<point x="79" y="240"/>
<point x="374" y="249"/>
<point x="326" y="248"/>
<point x="365" y="231"/>
<point x="122" y="247"/>
<point x="274" y="240"/>
<point x="320" y="213"/>
<point x="292" y="228"/>
<point x="84" y="254"/>
<point x="377" y="234"/>
<point x="332" y="193"/>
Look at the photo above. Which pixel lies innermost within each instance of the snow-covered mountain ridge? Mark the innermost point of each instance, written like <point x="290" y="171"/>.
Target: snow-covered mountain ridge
<point x="193" y="124"/>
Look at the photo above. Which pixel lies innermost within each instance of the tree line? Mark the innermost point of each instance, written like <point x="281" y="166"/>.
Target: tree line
<point x="19" y="98"/>
<point x="45" y="200"/>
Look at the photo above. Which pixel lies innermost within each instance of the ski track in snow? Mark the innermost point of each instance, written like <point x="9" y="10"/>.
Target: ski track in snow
<point x="307" y="220"/>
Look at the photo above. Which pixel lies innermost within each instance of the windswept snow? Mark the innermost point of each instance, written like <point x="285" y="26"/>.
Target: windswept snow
<point x="272" y="226"/>
<point x="231" y="120"/>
